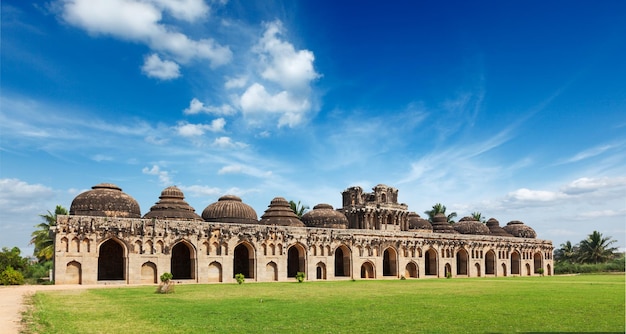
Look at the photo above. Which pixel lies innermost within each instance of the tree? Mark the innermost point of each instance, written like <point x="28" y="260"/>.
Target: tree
<point x="566" y="252"/>
<point x="439" y="208"/>
<point x="478" y="216"/>
<point x="44" y="245"/>
<point x="595" y="249"/>
<point x="12" y="258"/>
<point x="298" y="209"/>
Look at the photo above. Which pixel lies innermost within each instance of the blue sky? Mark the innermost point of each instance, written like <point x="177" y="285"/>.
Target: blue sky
<point x="514" y="109"/>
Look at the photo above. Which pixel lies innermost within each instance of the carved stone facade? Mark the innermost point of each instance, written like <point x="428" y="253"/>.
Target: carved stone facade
<point x="379" y="243"/>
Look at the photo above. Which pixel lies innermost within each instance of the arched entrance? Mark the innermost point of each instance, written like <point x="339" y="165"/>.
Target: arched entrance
<point x="320" y="271"/>
<point x="111" y="261"/>
<point x="148" y="273"/>
<point x="73" y="273"/>
<point x="367" y="270"/>
<point x="342" y="261"/>
<point x="490" y="263"/>
<point x="215" y="272"/>
<point x="462" y="264"/>
<point x="295" y="260"/>
<point x="243" y="260"/>
<point x="478" y="271"/>
<point x="182" y="261"/>
<point x="448" y="270"/>
<point x="528" y="269"/>
<point x="390" y="262"/>
<point x="504" y="269"/>
<point x="271" y="271"/>
<point x="411" y="270"/>
<point x="515" y="263"/>
<point x="538" y="262"/>
<point x="549" y="270"/>
<point x="430" y="263"/>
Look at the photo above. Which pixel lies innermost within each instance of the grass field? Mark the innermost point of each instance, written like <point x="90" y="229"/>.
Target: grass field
<point x="525" y="304"/>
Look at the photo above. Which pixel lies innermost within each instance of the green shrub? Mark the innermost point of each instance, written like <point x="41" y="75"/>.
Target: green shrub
<point x="11" y="276"/>
<point x="240" y="278"/>
<point x="166" y="285"/>
<point x="166" y="277"/>
<point x="300" y="277"/>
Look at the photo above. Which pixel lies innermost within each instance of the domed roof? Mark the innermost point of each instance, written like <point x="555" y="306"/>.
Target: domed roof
<point x="418" y="223"/>
<point x="230" y="209"/>
<point x="172" y="205"/>
<point x="467" y="225"/>
<point x="440" y="224"/>
<point x="495" y="229"/>
<point x="324" y="216"/>
<point x="105" y="200"/>
<point x="279" y="213"/>
<point x="518" y="229"/>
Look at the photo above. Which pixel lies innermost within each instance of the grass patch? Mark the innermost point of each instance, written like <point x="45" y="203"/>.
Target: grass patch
<point x="526" y="304"/>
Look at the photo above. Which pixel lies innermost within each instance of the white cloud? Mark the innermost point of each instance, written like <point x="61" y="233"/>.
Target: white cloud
<point x="193" y="130"/>
<point x="227" y="142"/>
<point x="247" y="170"/>
<point x="139" y="21"/>
<point x="197" y="190"/>
<point x="17" y="196"/>
<point x="164" y="177"/>
<point x="586" y="185"/>
<point x="155" y="67"/>
<point x="256" y="100"/>
<point x="238" y="82"/>
<point x="101" y="157"/>
<point x="231" y="169"/>
<point x="196" y="107"/>
<point x="527" y="195"/>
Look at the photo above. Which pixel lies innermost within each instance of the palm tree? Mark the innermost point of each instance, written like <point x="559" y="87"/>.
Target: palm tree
<point x="298" y="209"/>
<point x="567" y="252"/>
<point x="439" y="208"/>
<point x="478" y="216"/>
<point x="595" y="249"/>
<point x="44" y="245"/>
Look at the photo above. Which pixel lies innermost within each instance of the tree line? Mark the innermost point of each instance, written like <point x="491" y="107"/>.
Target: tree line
<point x="593" y="254"/>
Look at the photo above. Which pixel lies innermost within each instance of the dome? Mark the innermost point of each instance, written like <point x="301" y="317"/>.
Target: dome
<point x="518" y="229"/>
<point x="440" y="224"/>
<point x="495" y="229"/>
<point x="468" y="225"/>
<point x="324" y="216"/>
<point x="172" y="205"/>
<point x="105" y="200"/>
<point x="418" y="223"/>
<point x="230" y="209"/>
<point x="279" y="213"/>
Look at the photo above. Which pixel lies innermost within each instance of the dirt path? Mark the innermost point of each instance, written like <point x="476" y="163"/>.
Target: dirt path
<point x="12" y="302"/>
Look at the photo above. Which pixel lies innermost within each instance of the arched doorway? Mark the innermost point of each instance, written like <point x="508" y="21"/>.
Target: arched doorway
<point x="73" y="273"/>
<point x="411" y="270"/>
<point x="528" y="272"/>
<point x="148" y="273"/>
<point x="111" y="261"/>
<point x="504" y="269"/>
<point x="462" y="264"/>
<point x="390" y="262"/>
<point x="430" y="263"/>
<point x="448" y="270"/>
<point x="549" y="270"/>
<point x="538" y="262"/>
<point x="515" y="263"/>
<point x="271" y="271"/>
<point x="478" y="271"/>
<point x="320" y="271"/>
<point x="182" y="261"/>
<point x="243" y="260"/>
<point x="215" y="272"/>
<point x="342" y="261"/>
<point x="490" y="263"/>
<point x="367" y="270"/>
<point x="295" y="260"/>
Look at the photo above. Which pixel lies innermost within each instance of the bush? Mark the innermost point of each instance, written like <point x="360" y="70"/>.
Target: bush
<point x="166" y="285"/>
<point x="300" y="277"/>
<point x="240" y="278"/>
<point x="11" y="276"/>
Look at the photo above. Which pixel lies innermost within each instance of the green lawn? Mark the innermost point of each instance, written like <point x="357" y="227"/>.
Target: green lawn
<point x="525" y="304"/>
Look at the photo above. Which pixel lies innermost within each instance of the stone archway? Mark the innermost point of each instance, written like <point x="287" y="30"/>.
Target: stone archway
<point x="477" y="268"/>
<point x="367" y="270"/>
<point x="537" y="262"/>
<point x="215" y="272"/>
<point x="243" y="260"/>
<point x="430" y="263"/>
<point x="320" y="271"/>
<point x="411" y="270"/>
<point x="390" y="262"/>
<point x="490" y="263"/>
<point x="182" y="261"/>
<point x="73" y="273"/>
<point x="342" y="261"/>
<point x="462" y="262"/>
<point x="528" y="272"/>
<point x="504" y="269"/>
<point x="271" y="271"/>
<point x="515" y="263"/>
<point x="448" y="270"/>
<point x="295" y="260"/>
<point x="111" y="261"/>
<point x="148" y="273"/>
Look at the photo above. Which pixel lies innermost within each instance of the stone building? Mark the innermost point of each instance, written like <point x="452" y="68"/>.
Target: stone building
<point x="105" y="240"/>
